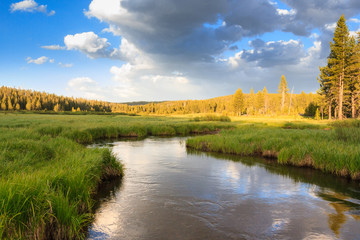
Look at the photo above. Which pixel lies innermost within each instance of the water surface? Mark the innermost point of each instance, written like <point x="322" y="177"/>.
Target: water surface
<point x="171" y="193"/>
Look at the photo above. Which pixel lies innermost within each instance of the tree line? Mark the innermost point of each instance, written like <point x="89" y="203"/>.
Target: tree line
<point x="339" y="79"/>
<point x="18" y="99"/>
<point x="260" y="103"/>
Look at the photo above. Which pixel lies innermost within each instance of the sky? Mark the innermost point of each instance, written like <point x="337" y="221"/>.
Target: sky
<point x="152" y="50"/>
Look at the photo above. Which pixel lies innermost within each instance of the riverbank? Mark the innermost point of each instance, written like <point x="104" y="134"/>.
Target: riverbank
<point x="332" y="148"/>
<point x="48" y="177"/>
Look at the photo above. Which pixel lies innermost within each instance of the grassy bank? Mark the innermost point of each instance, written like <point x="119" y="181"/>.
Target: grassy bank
<point x="332" y="148"/>
<point x="48" y="177"/>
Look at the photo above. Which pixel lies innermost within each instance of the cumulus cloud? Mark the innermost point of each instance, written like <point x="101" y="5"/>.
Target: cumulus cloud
<point x="269" y="54"/>
<point x="94" y="46"/>
<point x="90" y="44"/>
<point x="89" y="88"/>
<point x="30" y="6"/>
<point x="159" y="27"/>
<point x="40" y="60"/>
<point x="53" y="47"/>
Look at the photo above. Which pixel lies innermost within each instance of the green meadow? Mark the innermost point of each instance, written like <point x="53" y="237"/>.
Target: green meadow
<point x="48" y="177"/>
<point x="332" y="147"/>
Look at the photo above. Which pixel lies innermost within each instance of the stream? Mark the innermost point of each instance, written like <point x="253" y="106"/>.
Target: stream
<point x="169" y="192"/>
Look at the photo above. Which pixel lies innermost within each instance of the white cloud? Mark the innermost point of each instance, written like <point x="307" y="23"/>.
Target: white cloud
<point x="30" y="6"/>
<point x="54" y="47"/>
<point x="285" y="12"/>
<point x="355" y="20"/>
<point x="65" y="65"/>
<point x="123" y="73"/>
<point x="89" y="43"/>
<point x="112" y="29"/>
<point x="330" y="27"/>
<point x="40" y="60"/>
<point x="94" y="46"/>
<point x="89" y="88"/>
<point x="82" y="83"/>
<point x="161" y="79"/>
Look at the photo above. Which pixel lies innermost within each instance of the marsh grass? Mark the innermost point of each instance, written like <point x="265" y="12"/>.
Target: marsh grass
<point x="348" y="130"/>
<point x="48" y="177"/>
<point x="307" y="147"/>
<point x="212" y="117"/>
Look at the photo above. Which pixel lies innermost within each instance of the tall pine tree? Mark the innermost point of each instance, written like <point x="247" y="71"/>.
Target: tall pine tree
<point x="340" y="51"/>
<point x="283" y="90"/>
<point x="238" y="102"/>
<point x="354" y="74"/>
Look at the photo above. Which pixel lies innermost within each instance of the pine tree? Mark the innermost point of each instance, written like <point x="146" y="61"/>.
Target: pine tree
<point x="10" y="106"/>
<point x="266" y="101"/>
<point x="326" y="89"/>
<point x="251" y="102"/>
<point x="3" y="106"/>
<point x="56" y="108"/>
<point x="340" y="50"/>
<point x="238" y="102"/>
<point x="28" y="104"/>
<point x="259" y="101"/>
<point x="283" y="90"/>
<point x="317" y="114"/>
<point x="38" y="105"/>
<point x="354" y="74"/>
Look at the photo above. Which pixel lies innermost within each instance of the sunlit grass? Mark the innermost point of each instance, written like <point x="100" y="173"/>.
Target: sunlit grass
<point x="331" y="150"/>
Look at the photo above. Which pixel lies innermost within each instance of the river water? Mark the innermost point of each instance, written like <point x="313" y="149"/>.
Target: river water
<point x="169" y="192"/>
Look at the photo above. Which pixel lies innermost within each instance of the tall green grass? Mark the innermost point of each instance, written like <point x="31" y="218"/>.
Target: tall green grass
<point x="319" y="149"/>
<point x="212" y="117"/>
<point x="348" y="131"/>
<point x="46" y="186"/>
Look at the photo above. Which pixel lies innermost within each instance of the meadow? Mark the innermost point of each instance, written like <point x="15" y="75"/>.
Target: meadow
<point x="332" y="147"/>
<point x="48" y="177"/>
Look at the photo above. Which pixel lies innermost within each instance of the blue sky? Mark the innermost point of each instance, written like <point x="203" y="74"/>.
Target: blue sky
<point x="122" y="50"/>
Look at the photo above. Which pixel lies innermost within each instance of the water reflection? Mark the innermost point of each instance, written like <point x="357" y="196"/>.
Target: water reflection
<point x="340" y="193"/>
<point x="169" y="192"/>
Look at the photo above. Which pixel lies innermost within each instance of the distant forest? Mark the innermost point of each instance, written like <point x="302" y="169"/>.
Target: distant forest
<point x="260" y="103"/>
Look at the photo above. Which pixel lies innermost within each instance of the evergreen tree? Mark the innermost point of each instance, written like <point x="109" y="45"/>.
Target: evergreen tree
<point x="56" y="108"/>
<point x="38" y="105"/>
<point x="3" y="106"/>
<point x="283" y="90"/>
<point x="326" y="87"/>
<point x="10" y="106"/>
<point x="251" y="102"/>
<point x="340" y="51"/>
<point x="28" y="105"/>
<point x="317" y="114"/>
<point x="354" y="74"/>
<point x="238" y="102"/>
<point x="259" y="101"/>
<point x="266" y="101"/>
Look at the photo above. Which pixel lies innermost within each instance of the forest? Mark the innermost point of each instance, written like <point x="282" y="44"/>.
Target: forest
<point x="260" y="103"/>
